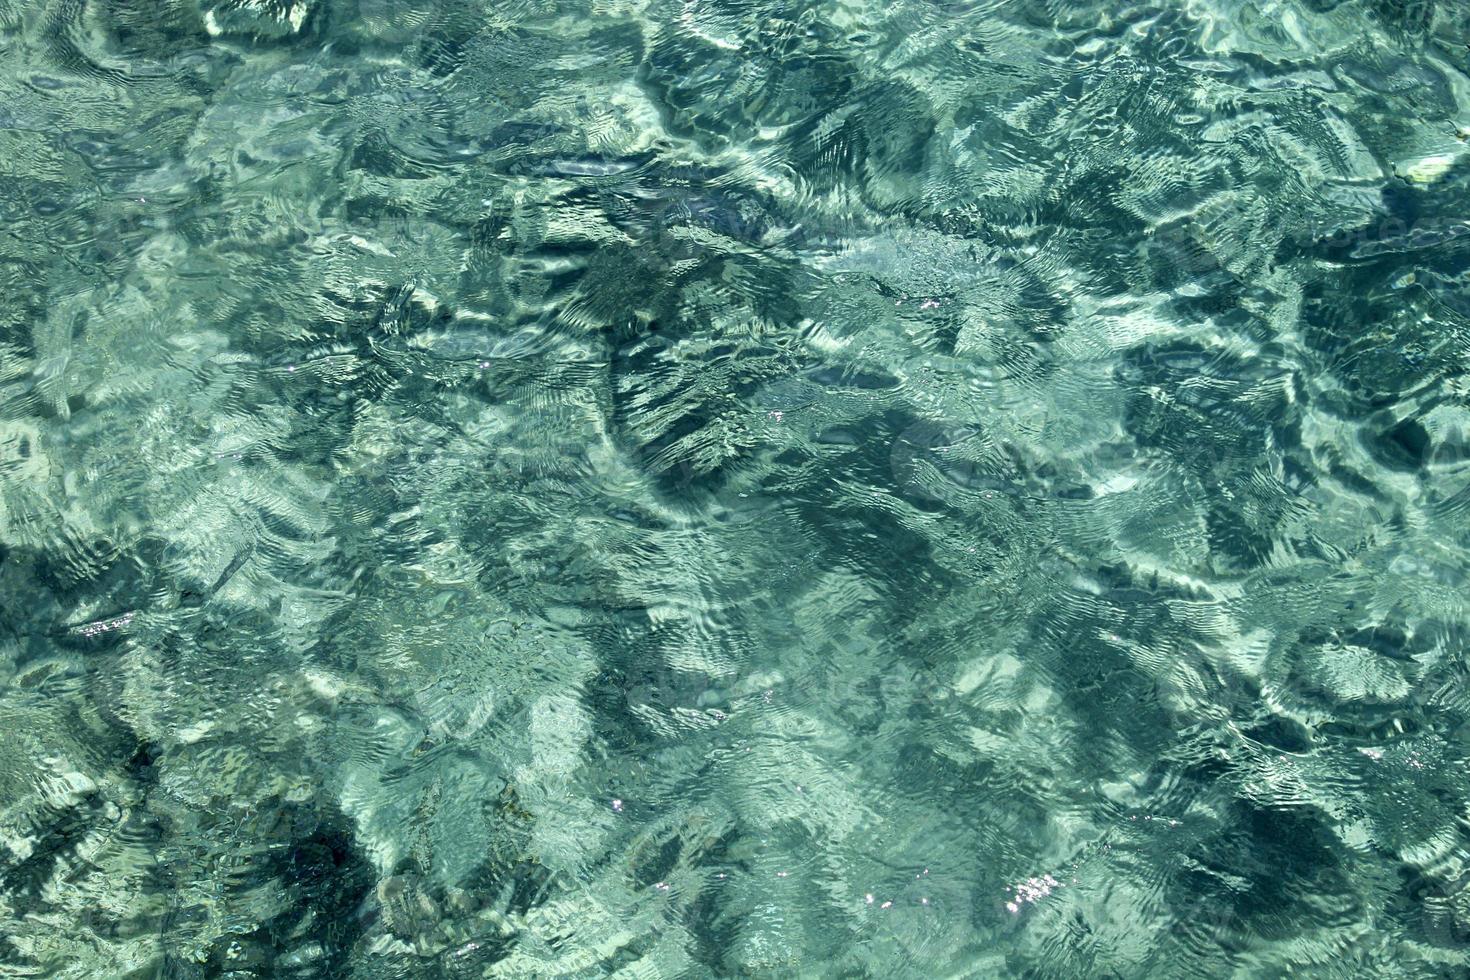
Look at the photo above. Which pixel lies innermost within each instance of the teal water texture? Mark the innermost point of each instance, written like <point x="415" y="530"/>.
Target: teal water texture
<point x="629" y="488"/>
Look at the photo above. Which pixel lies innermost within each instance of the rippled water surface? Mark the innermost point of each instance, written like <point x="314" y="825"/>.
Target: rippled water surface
<point x="590" y="488"/>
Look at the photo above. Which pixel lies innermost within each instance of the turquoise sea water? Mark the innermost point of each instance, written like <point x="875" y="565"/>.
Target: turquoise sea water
<point x="644" y="489"/>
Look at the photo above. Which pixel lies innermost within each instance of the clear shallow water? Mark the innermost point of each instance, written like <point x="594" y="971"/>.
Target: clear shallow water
<point x="690" y="489"/>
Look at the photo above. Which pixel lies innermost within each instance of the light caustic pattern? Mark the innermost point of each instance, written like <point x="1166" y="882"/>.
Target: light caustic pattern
<point x="574" y="488"/>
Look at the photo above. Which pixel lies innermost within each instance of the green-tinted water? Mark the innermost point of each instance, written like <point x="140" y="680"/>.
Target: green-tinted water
<point x="581" y="488"/>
